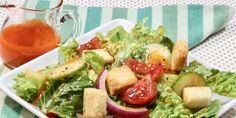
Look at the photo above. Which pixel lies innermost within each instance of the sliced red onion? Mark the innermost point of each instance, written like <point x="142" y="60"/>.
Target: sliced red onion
<point x="117" y="109"/>
<point x="101" y="82"/>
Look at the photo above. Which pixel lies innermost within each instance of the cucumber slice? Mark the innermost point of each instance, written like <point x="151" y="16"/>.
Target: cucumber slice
<point x="157" y="53"/>
<point x="169" y="78"/>
<point x="187" y="80"/>
<point x="67" y="70"/>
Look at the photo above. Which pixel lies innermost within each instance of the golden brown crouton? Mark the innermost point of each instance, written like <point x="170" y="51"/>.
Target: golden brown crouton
<point x="179" y="55"/>
<point x="197" y="97"/>
<point x="95" y="103"/>
<point x="119" y="78"/>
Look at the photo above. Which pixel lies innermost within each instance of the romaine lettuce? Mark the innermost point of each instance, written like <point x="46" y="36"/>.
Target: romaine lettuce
<point x="223" y="83"/>
<point x="146" y="34"/>
<point x="65" y="98"/>
<point x="25" y="88"/>
<point x="170" y="105"/>
<point x="210" y="111"/>
<point x="123" y="45"/>
<point x="68" y="51"/>
<point x="95" y="61"/>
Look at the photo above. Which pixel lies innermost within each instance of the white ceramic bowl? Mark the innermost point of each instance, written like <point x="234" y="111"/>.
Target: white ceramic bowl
<point x="6" y="81"/>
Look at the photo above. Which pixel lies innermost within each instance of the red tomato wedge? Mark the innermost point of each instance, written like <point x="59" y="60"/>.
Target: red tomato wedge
<point x="143" y="92"/>
<point x="138" y="67"/>
<point x="52" y="115"/>
<point x="155" y="70"/>
<point x="93" y="44"/>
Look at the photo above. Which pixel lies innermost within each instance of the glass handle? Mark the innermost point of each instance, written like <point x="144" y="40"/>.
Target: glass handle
<point x="70" y="25"/>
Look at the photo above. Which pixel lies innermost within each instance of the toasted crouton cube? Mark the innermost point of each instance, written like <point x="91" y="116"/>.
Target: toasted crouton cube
<point x="197" y="97"/>
<point x="95" y="103"/>
<point x="119" y="78"/>
<point x="179" y="55"/>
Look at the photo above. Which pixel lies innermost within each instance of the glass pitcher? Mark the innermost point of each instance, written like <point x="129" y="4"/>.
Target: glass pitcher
<point x="34" y="28"/>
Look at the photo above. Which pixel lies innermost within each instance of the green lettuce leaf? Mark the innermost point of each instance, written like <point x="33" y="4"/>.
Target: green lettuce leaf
<point x="210" y="111"/>
<point x="115" y="40"/>
<point x="47" y="96"/>
<point x="65" y="98"/>
<point x="95" y="61"/>
<point x="68" y="52"/>
<point x="25" y="88"/>
<point x="223" y="83"/>
<point x="139" y="54"/>
<point x="117" y="34"/>
<point x="92" y="75"/>
<point x="64" y="110"/>
<point x="169" y="104"/>
<point x="195" y="66"/>
<point x="146" y="34"/>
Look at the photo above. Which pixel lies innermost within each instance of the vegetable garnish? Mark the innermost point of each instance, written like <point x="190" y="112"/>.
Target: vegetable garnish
<point x="117" y="109"/>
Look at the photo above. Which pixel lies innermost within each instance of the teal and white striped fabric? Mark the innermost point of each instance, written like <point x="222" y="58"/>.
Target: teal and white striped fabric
<point x="191" y="22"/>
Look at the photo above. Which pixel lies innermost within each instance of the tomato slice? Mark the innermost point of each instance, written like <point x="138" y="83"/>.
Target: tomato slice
<point x="138" y="67"/>
<point x="155" y="70"/>
<point x="93" y="44"/>
<point x="52" y="115"/>
<point x="143" y="92"/>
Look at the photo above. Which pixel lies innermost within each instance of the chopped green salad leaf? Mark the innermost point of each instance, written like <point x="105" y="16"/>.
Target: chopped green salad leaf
<point x="95" y="61"/>
<point x="117" y="34"/>
<point x="146" y="34"/>
<point x="210" y="111"/>
<point x="139" y="54"/>
<point x="65" y="98"/>
<point x="25" y="88"/>
<point x="123" y="45"/>
<point x="68" y="52"/>
<point x="170" y="105"/>
<point x="223" y="83"/>
<point x="194" y="66"/>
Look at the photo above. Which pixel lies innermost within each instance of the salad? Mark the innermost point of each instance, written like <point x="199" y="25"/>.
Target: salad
<point x="134" y="74"/>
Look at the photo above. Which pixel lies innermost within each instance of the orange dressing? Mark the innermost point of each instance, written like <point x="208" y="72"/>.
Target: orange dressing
<point x="20" y="43"/>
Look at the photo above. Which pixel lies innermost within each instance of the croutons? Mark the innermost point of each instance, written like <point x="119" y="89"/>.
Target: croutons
<point x="104" y="54"/>
<point x="95" y="103"/>
<point x="66" y="70"/>
<point x="197" y="97"/>
<point x="119" y="78"/>
<point x="179" y="55"/>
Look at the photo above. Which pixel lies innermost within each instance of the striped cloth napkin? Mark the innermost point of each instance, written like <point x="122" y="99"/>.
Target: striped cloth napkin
<point x="191" y="22"/>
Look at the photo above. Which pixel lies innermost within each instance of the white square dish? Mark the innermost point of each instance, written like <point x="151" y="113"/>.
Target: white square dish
<point x="6" y="81"/>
